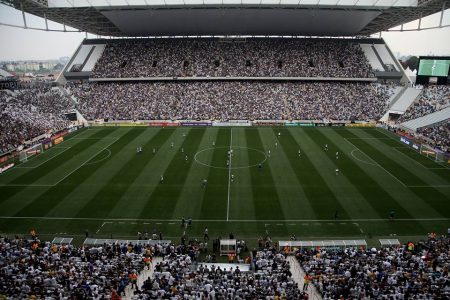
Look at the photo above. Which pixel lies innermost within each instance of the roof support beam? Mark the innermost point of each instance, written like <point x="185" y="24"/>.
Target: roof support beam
<point x="24" y="19"/>
<point x="442" y="14"/>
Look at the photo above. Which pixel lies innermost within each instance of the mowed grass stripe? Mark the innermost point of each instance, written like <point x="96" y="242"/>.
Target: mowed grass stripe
<point x="293" y="200"/>
<point x="37" y="173"/>
<point x="342" y="188"/>
<point x="241" y="194"/>
<point x="443" y="175"/>
<point x="265" y="198"/>
<point x="131" y="203"/>
<point x="162" y="201"/>
<point x="56" y="194"/>
<point x="381" y="201"/>
<point x="319" y="195"/>
<point x="192" y="194"/>
<point x="106" y="198"/>
<point x="214" y="200"/>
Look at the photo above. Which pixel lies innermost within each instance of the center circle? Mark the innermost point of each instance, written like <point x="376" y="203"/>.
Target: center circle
<point x="255" y="157"/>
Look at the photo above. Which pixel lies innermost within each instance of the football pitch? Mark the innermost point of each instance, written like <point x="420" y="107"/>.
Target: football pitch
<point x="278" y="180"/>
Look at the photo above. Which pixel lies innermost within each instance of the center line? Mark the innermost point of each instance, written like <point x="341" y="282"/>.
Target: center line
<point x="229" y="174"/>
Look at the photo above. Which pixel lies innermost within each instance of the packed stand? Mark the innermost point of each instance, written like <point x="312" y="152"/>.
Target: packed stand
<point x="432" y="99"/>
<point x="437" y="136"/>
<point x="405" y="272"/>
<point x="235" y="58"/>
<point x="30" y="112"/>
<point x="30" y="268"/>
<point x="177" y="277"/>
<point x="230" y="101"/>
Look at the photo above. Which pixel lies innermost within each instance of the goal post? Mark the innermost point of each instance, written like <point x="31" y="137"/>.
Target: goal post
<point x="25" y="154"/>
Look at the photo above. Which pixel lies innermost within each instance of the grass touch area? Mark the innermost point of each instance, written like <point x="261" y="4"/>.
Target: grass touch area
<point x="96" y="181"/>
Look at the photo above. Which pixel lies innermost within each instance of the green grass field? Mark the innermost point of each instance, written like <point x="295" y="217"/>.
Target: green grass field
<point x="96" y="181"/>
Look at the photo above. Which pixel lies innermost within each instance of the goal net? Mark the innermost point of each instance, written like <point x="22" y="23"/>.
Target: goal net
<point x="25" y="154"/>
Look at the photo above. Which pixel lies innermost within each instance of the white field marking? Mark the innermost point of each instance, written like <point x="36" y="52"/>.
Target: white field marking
<point x="95" y="154"/>
<point x="65" y="149"/>
<point x="401" y="182"/>
<point x="233" y="168"/>
<point x="100" y="228"/>
<point x="360" y="160"/>
<point x="122" y="221"/>
<point x="146" y="223"/>
<point x="417" y="162"/>
<point x="158" y="223"/>
<point x="83" y="164"/>
<point x="229" y="176"/>
<point x="398" y="141"/>
<point x="369" y="138"/>
<point x="97" y="161"/>
<point x="92" y="138"/>
<point x="360" y="229"/>
<point x="171" y="223"/>
<point x="279" y="224"/>
<point x="27" y="185"/>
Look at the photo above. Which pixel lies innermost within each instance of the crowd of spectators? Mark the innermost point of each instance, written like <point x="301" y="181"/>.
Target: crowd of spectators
<point x="406" y="272"/>
<point x="30" y="112"/>
<point x="241" y="100"/>
<point x="221" y="58"/>
<point x="432" y="99"/>
<point x="177" y="278"/>
<point x="30" y="268"/>
<point x="437" y="136"/>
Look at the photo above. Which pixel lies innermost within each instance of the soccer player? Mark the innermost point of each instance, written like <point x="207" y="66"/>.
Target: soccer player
<point x="137" y="150"/>
<point x="214" y="143"/>
<point x="186" y="158"/>
<point x="205" y="234"/>
<point x="182" y="149"/>
<point x="392" y="214"/>
<point x="154" y="150"/>
<point x="161" y="179"/>
<point x="299" y="153"/>
<point x="268" y="153"/>
<point x="260" y="166"/>
<point x="204" y="183"/>
<point x="326" y="147"/>
<point x="337" y="171"/>
<point x="228" y="162"/>
<point x="279" y="134"/>
<point x="337" y="155"/>
<point x="276" y="145"/>
<point x="171" y="145"/>
<point x="232" y="177"/>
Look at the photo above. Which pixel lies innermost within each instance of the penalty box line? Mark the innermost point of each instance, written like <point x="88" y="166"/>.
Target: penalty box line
<point x="377" y="164"/>
<point x="109" y="220"/>
<point x="89" y="159"/>
<point x="67" y="175"/>
<point x="24" y="167"/>
<point x="417" y="162"/>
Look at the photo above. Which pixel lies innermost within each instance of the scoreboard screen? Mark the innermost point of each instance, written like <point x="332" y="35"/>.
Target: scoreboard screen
<point x="434" y="67"/>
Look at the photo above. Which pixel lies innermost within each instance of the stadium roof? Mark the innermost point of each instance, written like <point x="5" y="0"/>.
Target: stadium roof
<point x="231" y="17"/>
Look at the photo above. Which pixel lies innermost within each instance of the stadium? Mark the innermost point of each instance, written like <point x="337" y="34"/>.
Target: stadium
<point x="204" y="149"/>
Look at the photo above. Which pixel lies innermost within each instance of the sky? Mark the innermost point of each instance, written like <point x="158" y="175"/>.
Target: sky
<point x="28" y="44"/>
